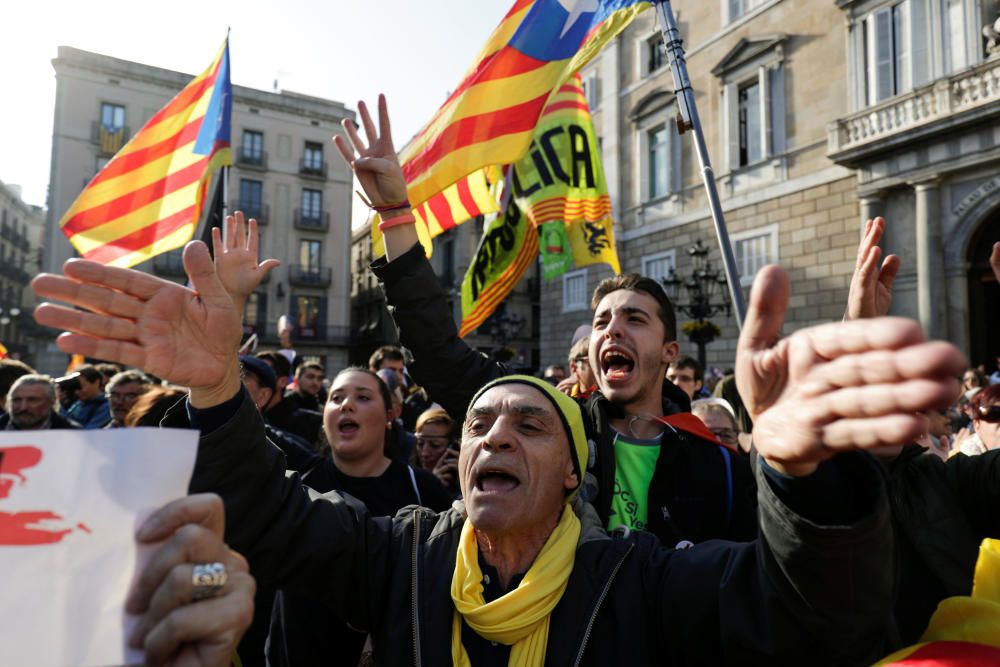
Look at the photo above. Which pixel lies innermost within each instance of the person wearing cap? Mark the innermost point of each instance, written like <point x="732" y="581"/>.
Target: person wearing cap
<point x="91" y="409"/>
<point x="522" y="568"/>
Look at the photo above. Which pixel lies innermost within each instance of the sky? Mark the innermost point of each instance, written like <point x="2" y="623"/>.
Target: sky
<point x="413" y="51"/>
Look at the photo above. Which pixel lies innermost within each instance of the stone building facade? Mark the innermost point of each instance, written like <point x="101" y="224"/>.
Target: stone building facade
<point x="811" y="127"/>
<point x="21" y="226"/>
<point x="285" y="174"/>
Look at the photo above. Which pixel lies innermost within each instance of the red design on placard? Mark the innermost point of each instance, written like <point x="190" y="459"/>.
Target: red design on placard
<point x="26" y="528"/>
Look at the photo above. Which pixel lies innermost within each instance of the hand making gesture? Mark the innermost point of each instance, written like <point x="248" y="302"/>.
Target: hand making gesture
<point x="236" y="261"/>
<point x="871" y="285"/>
<point x="380" y="175"/>
<point x="186" y="336"/>
<point x="835" y="387"/>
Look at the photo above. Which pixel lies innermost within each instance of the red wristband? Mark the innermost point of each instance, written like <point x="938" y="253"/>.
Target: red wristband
<point x="405" y="219"/>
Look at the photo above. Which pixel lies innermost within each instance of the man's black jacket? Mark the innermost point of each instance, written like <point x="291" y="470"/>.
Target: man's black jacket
<point x="803" y="593"/>
<point x="697" y="492"/>
<point x="942" y="511"/>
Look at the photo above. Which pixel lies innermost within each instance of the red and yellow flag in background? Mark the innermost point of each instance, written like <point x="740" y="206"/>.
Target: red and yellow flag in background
<point x="559" y="182"/>
<point x="149" y="198"/>
<point x="491" y="116"/>
<point x="964" y="631"/>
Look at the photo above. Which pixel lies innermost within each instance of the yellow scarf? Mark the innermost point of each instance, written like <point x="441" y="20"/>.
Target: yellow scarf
<point x="521" y="617"/>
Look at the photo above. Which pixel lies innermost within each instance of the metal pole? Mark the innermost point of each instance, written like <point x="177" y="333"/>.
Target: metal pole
<point x="225" y="201"/>
<point x="689" y="120"/>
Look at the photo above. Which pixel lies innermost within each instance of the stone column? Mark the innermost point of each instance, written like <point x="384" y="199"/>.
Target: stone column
<point x="871" y="207"/>
<point x="930" y="260"/>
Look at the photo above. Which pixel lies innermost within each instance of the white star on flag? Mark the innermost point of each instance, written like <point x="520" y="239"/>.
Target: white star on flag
<point x="576" y="9"/>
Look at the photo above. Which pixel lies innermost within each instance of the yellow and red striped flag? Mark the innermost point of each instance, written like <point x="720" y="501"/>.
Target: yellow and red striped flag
<point x="150" y="196"/>
<point x="964" y="631"/>
<point x="459" y="202"/>
<point x="490" y="118"/>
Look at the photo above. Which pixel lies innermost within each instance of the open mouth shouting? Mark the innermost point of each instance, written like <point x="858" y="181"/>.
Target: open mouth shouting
<point x="492" y="480"/>
<point x="347" y="427"/>
<point x="617" y="364"/>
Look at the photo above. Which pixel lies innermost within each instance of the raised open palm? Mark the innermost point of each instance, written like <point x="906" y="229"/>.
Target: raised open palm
<point x="236" y="261"/>
<point x="375" y="165"/>
<point x="835" y="387"/>
<point x="870" y="293"/>
<point x="186" y="336"/>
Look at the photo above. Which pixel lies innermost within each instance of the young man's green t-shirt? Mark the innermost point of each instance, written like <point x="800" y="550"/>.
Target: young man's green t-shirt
<point x="635" y="461"/>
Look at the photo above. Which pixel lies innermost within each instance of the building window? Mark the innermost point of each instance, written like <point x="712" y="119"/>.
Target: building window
<point x="754" y="250"/>
<point x="575" y="290"/>
<point x="252" y="150"/>
<point x="658" y="154"/>
<point x="656" y="54"/>
<point x="956" y="41"/>
<point x="255" y="313"/>
<point x="660" y="265"/>
<point x="312" y="204"/>
<point x="310" y="254"/>
<point x="591" y="91"/>
<point x="112" y="117"/>
<point x="307" y="316"/>
<point x="748" y="101"/>
<point x="312" y="159"/>
<point x="251" y="198"/>
<point x="895" y="47"/>
<point x="738" y="8"/>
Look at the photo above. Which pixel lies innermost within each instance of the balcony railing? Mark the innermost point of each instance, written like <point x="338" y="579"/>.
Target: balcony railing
<point x="919" y="109"/>
<point x="331" y="335"/>
<point x="169" y="264"/>
<point x="312" y="168"/>
<point x="312" y="220"/>
<point x="246" y="157"/>
<point x="110" y="140"/>
<point x="20" y="241"/>
<point x="252" y="209"/>
<point x="309" y="276"/>
<point x="336" y="335"/>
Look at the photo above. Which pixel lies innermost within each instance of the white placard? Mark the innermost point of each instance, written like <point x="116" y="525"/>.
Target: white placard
<point x="70" y="502"/>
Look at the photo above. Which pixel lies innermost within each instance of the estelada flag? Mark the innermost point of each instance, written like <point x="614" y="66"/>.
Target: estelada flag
<point x="559" y="182"/>
<point x="964" y="631"/>
<point x="491" y="116"/>
<point x="149" y="198"/>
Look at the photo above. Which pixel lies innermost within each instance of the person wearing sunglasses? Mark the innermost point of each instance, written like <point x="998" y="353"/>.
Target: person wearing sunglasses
<point x="986" y="416"/>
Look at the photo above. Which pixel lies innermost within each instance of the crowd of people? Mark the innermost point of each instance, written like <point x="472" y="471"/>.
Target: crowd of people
<point x="813" y="505"/>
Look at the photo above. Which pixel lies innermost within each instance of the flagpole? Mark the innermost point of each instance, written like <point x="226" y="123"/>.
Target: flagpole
<point x="689" y="121"/>
<point x="225" y="201"/>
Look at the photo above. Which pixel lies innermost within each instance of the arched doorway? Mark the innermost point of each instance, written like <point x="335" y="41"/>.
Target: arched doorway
<point x="984" y="296"/>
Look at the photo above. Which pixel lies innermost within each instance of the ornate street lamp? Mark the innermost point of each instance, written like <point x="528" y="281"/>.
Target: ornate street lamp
<point x="699" y="296"/>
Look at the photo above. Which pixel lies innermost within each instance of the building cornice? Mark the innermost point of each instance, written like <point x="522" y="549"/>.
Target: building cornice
<point x="285" y="101"/>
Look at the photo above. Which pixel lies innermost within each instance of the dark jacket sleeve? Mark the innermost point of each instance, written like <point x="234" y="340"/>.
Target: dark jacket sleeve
<point x="323" y="546"/>
<point x="804" y="593"/>
<point x="443" y="363"/>
<point x="975" y="480"/>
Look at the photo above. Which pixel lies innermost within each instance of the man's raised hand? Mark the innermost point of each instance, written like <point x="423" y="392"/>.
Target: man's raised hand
<point x="835" y="387"/>
<point x="236" y="258"/>
<point x="871" y="285"/>
<point x="375" y="164"/>
<point x="186" y="336"/>
<point x="379" y="173"/>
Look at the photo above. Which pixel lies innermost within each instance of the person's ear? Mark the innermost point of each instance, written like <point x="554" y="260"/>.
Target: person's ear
<point x="671" y="350"/>
<point x="570" y="482"/>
